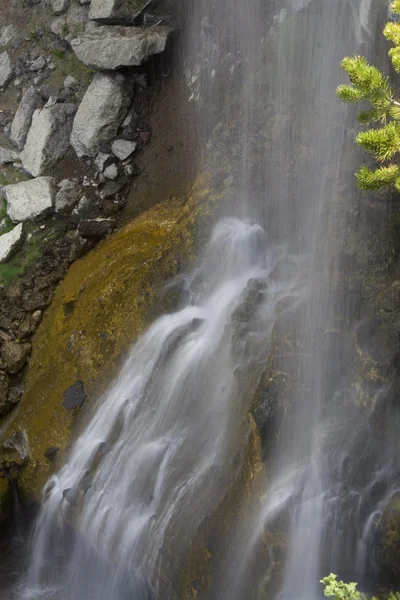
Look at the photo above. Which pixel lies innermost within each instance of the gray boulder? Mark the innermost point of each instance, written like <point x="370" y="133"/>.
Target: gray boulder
<point x="115" y="11"/>
<point x="100" y="113"/>
<point x="68" y="195"/>
<point x="10" y="242"/>
<point x="23" y="117"/>
<point x="48" y="137"/>
<point x="8" y="156"/>
<point x="114" y="47"/>
<point x="9" y="35"/>
<point x="6" y="69"/>
<point x="30" y="199"/>
<point x="59" y="6"/>
<point x="72" y="23"/>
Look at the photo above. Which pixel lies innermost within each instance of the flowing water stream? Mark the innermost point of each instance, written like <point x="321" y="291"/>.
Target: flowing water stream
<point x="167" y="440"/>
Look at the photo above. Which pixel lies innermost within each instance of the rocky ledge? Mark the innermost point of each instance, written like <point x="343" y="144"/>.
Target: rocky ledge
<point x="73" y="93"/>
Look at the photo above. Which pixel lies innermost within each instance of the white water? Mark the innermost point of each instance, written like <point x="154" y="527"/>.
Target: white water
<point x="167" y="439"/>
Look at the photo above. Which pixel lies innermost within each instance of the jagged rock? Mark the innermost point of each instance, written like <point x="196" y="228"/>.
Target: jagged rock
<point x="83" y="207"/>
<point x="10" y="242"/>
<point x="30" y="199"/>
<point x="48" y="137"/>
<point x="96" y="228"/>
<point x="14" y="396"/>
<point x="68" y="195"/>
<point x="114" y="47"/>
<point x="38" y="64"/>
<point x="34" y="300"/>
<point x="101" y="161"/>
<point x="74" y="396"/>
<point x="9" y="35"/>
<point x="23" y="117"/>
<point x="115" y="11"/>
<point x="122" y="149"/>
<point x="100" y="113"/>
<point x="72" y="23"/>
<point x="111" y="188"/>
<point x="111" y="172"/>
<point x="14" y="356"/>
<point x="59" y="6"/>
<point x="8" y="156"/>
<point x="15" y="450"/>
<point x="6" y="69"/>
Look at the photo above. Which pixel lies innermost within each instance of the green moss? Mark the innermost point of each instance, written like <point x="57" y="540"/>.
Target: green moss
<point x="58" y="53"/>
<point x="9" y="175"/>
<point x="68" y="64"/>
<point x="28" y="254"/>
<point x="7" y="224"/>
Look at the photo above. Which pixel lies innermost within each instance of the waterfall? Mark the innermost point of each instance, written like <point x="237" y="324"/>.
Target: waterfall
<point x="167" y="439"/>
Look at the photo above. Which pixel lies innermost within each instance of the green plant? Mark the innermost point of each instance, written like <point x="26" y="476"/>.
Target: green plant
<point x="64" y="28"/>
<point x="5" y="222"/>
<point x="338" y="590"/>
<point x="58" y="53"/>
<point x="368" y="84"/>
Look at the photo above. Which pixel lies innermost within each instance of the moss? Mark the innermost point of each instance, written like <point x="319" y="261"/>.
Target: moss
<point x="7" y="224"/>
<point x="67" y="63"/>
<point x="28" y="254"/>
<point x="106" y="296"/>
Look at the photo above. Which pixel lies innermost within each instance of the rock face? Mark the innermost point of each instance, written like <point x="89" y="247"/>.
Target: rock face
<point x="8" y="156"/>
<point x="10" y="242"/>
<point x="48" y="137"/>
<point x="6" y="70"/>
<point x="74" y="396"/>
<point x="72" y="23"/>
<point x="59" y="6"/>
<point x="30" y="199"/>
<point x="116" y="11"/>
<point x="100" y="113"/>
<point x="114" y="47"/>
<point x="23" y="117"/>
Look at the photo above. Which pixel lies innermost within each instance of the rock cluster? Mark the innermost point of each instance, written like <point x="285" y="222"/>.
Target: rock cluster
<point x="93" y="128"/>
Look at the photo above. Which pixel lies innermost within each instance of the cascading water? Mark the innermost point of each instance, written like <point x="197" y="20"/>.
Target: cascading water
<point x="167" y="439"/>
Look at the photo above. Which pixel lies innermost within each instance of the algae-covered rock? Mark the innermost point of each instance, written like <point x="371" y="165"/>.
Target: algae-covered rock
<point x="389" y="538"/>
<point x="97" y="312"/>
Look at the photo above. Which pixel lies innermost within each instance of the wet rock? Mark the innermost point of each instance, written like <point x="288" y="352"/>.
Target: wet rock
<point x="59" y="6"/>
<point x="285" y="269"/>
<point x="74" y="396"/>
<point x="48" y="137"/>
<point x="30" y="199"/>
<point x="23" y="117"/>
<point x="14" y="396"/>
<point x="96" y="228"/>
<point x="114" y="11"/>
<point x="15" y="450"/>
<point x="111" y="172"/>
<point x="68" y="195"/>
<point x="4" y="387"/>
<point x="14" y="356"/>
<point x="71" y="496"/>
<point x="122" y="149"/>
<point x="10" y="242"/>
<point x="107" y="48"/>
<point x="8" y="156"/>
<point x="51" y="452"/>
<point x="6" y="69"/>
<point x="34" y="300"/>
<point x="100" y="113"/>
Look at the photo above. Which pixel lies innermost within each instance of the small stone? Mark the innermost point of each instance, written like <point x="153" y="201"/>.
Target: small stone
<point x="14" y="356"/>
<point x="9" y="35"/>
<point x="111" y="172"/>
<point x="14" y="395"/>
<point x="131" y="170"/>
<point x="74" y="396"/>
<point x="10" y="242"/>
<point x="70" y="83"/>
<point x="122" y="149"/>
<point x="111" y="188"/>
<point x="101" y="160"/>
<point x="6" y="69"/>
<point x="38" y="64"/>
<point x="37" y="316"/>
